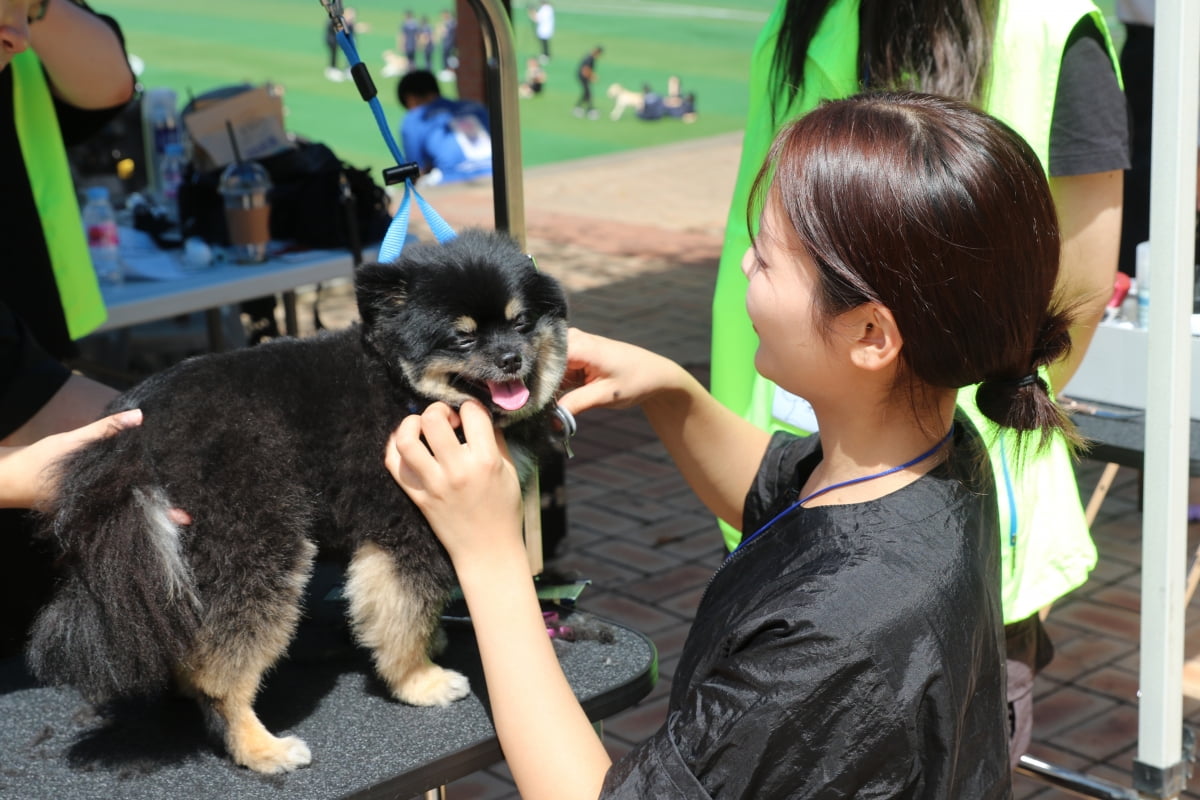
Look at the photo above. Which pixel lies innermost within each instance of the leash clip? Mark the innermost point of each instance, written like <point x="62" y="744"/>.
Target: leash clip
<point x="569" y="428"/>
<point x="335" y="10"/>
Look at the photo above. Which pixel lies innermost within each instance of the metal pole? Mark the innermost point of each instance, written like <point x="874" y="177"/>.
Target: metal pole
<point x="1075" y="783"/>
<point x="500" y="88"/>
<point x="500" y="83"/>
<point x="1160" y="769"/>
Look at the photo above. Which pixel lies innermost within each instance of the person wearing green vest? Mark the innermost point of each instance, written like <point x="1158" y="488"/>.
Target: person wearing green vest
<point x="1046" y="68"/>
<point x="63" y="74"/>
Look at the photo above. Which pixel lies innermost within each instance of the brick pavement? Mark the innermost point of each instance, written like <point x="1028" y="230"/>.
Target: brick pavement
<point x="635" y="238"/>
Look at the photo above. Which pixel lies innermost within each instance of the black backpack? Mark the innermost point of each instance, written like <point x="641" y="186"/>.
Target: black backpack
<point x="317" y="200"/>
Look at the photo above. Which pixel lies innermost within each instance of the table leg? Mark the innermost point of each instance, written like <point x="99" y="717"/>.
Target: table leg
<point x="216" y="339"/>
<point x="1100" y="492"/>
<point x="290" y="325"/>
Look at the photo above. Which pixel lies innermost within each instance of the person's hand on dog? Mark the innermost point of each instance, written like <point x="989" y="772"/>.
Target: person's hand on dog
<point x="606" y="373"/>
<point x="25" y="472"/>
<point x="467" y="490"/>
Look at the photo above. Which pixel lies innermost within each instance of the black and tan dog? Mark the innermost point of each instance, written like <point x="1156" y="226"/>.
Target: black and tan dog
<point x="277" y="450"/>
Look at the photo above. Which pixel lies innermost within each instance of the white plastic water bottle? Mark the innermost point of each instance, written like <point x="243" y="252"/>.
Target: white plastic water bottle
<point x="100" y="223"/>
<point x="160" y="127"/>
<point x="1142" y="272"/>
<point x="171" y="170"/>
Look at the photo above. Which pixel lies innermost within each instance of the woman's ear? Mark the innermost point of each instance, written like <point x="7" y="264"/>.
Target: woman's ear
<point x="876" y="338"/>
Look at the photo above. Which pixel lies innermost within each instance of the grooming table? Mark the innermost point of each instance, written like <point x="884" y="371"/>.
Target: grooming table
<point x="55" y="745"/>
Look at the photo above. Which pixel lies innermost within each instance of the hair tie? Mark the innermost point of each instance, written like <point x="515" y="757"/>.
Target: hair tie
<point x="1031" y="379"/>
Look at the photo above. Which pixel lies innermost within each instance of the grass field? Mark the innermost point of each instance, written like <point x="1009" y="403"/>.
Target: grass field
<point x="196" y="45"/>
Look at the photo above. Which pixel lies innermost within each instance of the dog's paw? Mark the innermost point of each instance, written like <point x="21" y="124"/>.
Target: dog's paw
<point x="277" y="756"/>
<point x="433" y="686"/>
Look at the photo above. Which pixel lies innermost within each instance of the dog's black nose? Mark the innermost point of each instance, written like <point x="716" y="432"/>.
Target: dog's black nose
<point x="509" y="362"/>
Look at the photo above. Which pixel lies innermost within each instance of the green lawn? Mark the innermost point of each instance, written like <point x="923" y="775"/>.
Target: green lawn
<point x="196" y="45"/>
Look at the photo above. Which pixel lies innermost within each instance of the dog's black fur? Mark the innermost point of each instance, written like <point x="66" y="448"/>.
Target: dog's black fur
<point x="273" y="451"/>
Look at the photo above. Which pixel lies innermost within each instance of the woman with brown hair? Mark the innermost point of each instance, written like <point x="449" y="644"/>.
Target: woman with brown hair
<point x="851" y="646"/>
<point x="1048" y="70"/>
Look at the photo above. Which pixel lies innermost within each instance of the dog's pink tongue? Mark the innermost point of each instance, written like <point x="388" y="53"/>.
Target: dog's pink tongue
<point x="509" y="395"/>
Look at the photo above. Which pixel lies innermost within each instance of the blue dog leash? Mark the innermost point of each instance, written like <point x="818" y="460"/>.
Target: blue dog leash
<point x="393" y="240"/>
<point x="404" y="171"/>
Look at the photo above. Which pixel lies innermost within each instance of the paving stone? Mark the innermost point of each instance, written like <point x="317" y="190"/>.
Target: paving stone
<point x="1062" y="710"/>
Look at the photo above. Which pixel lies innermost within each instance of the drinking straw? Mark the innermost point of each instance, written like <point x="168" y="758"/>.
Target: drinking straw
<point x="237" y="154"/>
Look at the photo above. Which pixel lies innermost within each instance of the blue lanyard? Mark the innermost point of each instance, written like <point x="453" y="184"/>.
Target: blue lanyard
<point x="1012" y="507"/>
<point x="397" y="232"/>
<point x="927" y="454"/>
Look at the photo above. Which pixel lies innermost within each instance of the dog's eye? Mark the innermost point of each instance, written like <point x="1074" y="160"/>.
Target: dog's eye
<point x="523" y="323"/>
<point x="464" y="341"/>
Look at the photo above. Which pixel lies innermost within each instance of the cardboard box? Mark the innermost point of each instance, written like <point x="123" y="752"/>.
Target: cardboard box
<point x="256" y="116"/>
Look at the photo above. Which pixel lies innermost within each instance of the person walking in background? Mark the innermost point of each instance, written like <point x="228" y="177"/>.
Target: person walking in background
<point x="1048" y="70"/>
<point x="449" y="139"/>
<point x="425" y="41"/>
<point x="449" y="36"/>
<point x="586" y="74"/>
<point x="852" y="645"/>
<point x="333" y="72"/>
<point x="406" y="39"/>
<point x="543" y="27"/>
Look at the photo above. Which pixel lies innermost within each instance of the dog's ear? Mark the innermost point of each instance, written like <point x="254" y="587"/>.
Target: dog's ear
<point x="378" y="288"/>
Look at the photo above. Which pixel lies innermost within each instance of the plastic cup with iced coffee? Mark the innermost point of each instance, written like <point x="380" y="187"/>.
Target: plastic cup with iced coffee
<point x="244" y="187"/>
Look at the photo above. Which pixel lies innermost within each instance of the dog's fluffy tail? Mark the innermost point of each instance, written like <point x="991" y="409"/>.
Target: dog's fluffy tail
<point x="126" y="610"/>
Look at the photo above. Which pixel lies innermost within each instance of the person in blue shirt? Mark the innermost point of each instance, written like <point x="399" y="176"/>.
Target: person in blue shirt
<point x="450" y="139"/>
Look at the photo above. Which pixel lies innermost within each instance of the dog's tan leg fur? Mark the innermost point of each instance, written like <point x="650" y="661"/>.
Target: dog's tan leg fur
<point x="250" y="743"/>
<point x="228" y="673"/>
<point x="386" y="622"/>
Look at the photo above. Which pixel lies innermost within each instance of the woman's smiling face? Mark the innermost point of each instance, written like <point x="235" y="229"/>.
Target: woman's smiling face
<point x="781" y="303"/>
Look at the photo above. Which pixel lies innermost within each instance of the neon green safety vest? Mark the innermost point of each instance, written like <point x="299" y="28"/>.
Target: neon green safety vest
<point x="45" y="158"/>
<point x="1047" y="549"/>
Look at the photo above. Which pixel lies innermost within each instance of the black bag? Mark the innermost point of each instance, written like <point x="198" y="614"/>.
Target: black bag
<point x="317" y="200"/>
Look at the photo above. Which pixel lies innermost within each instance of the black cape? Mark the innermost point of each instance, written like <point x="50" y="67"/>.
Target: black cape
<point x="848" y="651"/>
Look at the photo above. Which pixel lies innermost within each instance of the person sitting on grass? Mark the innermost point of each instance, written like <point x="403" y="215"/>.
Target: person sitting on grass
<point x="449" y="139"/>
<point x="535" y="79"/>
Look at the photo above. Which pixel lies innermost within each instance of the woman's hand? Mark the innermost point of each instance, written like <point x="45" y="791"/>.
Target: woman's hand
<point x="605" y="373"/>
<point x="28" y="479"/>
<point x="470" y="495"/>
<point x="467" y="490"/>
